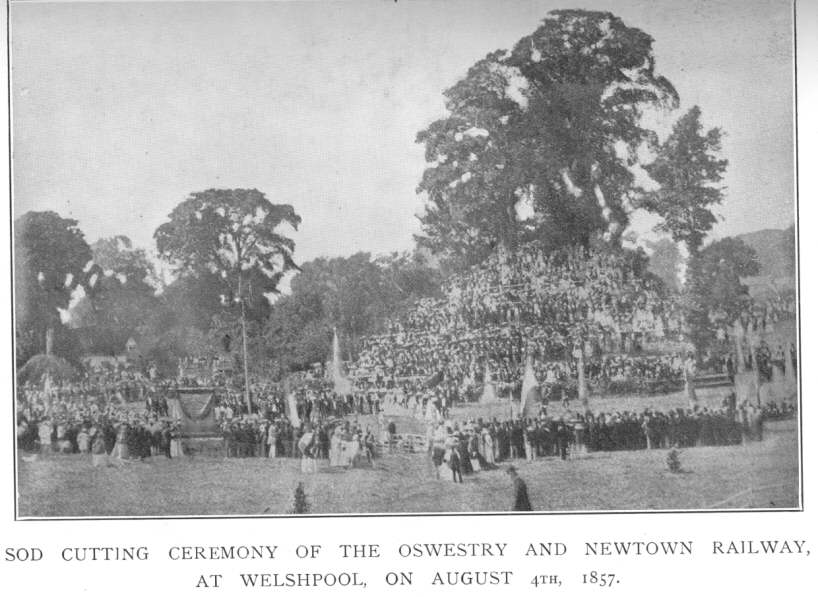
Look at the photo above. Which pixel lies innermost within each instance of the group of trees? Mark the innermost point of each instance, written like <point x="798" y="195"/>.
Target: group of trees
<point x="223" y="247"/>
<point x="545" y="141"/>
<point x="354" y="295"/>
<point x="228" y="257"/>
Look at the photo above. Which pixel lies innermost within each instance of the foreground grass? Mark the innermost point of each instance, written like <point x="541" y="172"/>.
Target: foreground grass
<point x="70" y="486"/>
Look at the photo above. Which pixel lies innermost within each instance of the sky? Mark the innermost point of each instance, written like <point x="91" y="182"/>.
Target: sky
<point x="120" y="110"/>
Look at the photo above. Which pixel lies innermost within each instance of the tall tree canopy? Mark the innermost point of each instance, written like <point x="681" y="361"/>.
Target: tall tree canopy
<point x="181" y="323"/>
<point x="123" y="297"/>
<point x="117" y="256"/>
<point x="233" y="235"/>
<point x="714" y="293"/>
<point x="554" y="126"/>
<point x="687" y="169"/>
<point x="51" y="258"/>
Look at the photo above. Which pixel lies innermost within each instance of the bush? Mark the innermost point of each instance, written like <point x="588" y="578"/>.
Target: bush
<point x="674" y="464"/>
<point x="300" y="504"/>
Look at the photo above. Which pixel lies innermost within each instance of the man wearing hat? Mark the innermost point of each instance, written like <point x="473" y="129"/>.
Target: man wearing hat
<point x="521" y="502"/>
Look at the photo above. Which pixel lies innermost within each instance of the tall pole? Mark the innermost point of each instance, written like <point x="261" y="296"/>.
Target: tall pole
<point x="244" y="352"/>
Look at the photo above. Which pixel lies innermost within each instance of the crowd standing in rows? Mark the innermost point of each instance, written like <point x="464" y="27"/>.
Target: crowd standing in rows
<point x="546" y="307"/>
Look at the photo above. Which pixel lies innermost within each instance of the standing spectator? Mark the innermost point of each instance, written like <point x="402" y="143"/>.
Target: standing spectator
<point x="520" y="502"/>
<point x="99" y="457"/>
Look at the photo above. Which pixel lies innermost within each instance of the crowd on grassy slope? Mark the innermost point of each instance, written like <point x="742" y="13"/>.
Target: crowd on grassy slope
<point x="546" y="306"/>
<point x="532" y="303"/>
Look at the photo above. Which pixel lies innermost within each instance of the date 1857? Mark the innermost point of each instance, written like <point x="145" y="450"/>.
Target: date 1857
<point x="601" y="579"/>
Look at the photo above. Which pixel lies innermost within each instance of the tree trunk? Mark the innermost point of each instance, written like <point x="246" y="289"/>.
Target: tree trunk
<point x="49" y="341"/>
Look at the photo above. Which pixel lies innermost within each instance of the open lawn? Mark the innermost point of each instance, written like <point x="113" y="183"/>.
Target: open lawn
<point x="758" y="475"/>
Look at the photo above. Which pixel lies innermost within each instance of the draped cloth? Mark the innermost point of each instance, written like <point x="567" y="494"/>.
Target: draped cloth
<point x="194" y="409"/>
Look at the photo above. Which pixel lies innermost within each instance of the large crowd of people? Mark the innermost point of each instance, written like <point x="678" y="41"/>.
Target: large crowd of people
<point x="478" y="444"/>
<point x="549" y="309"/>
<point x="537" y="304"/>
<point x="84" y="418"/>
<point x="81" y="420"/>
<point x="87" y="418"/>
<point x="549" y="306"/>
<point x="764" y="313"/>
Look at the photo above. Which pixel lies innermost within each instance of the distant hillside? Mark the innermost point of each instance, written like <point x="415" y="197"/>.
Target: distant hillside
<point x="776" y="254"/>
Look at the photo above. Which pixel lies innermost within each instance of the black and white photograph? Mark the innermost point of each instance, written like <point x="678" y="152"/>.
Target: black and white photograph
<point x="314" y="258"/>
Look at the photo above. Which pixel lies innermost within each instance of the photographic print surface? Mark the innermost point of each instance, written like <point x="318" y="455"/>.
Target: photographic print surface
<point x="306" y="258"/>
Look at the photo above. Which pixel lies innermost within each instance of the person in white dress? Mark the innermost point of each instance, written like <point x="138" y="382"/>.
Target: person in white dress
<point x="272" y="441"/>
<point x="335" y="447"/>
<point x="488" y="446"/>
<point x="306" y="445"/>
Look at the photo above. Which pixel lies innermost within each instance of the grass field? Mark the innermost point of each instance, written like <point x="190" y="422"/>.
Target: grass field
<point x="758" y="475"/>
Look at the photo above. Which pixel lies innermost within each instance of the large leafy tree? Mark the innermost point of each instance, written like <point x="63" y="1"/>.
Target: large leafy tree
<point x="122" y="299"/>
<point x="350" y="294"/>
<point x="714" y="294"/>
<point x="51" y="259"/>
<point x="541" y="141"/>
<point x="117" y="256"/>
<point x="181" y="322"/>
<point x="233" y="237"/>
<point x="688" y="171"/>
<point x="233" y="234"/>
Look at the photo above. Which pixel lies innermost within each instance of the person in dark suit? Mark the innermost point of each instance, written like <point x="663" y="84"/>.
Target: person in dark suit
<point x="521" y="502"/>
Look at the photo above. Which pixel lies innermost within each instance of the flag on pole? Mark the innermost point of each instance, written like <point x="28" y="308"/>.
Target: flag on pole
<point x="342" y="384"/>
<point x="530" y="395"/>
<point x="291" y="408"/>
